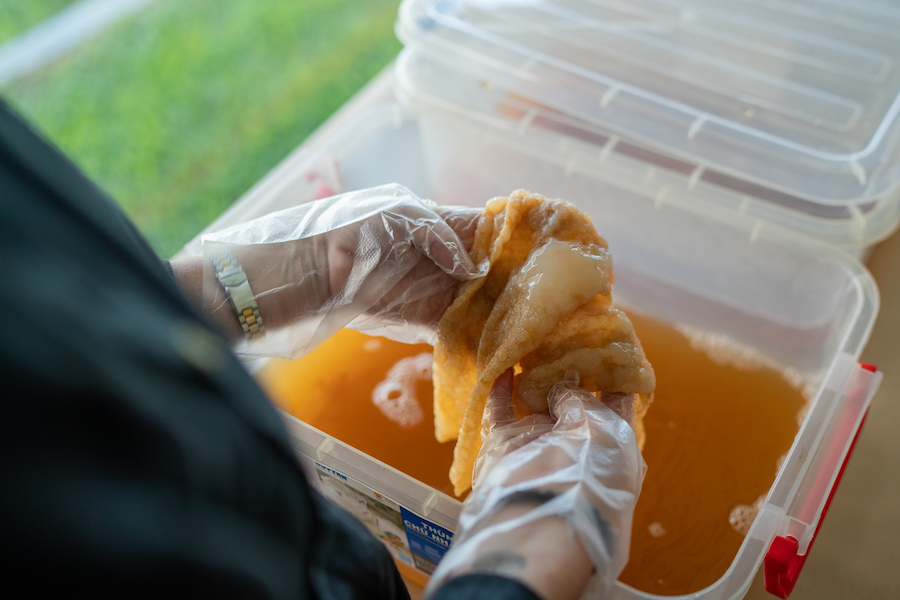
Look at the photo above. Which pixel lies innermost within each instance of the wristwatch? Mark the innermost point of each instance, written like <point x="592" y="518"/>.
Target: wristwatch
<point x="237" y="288"/>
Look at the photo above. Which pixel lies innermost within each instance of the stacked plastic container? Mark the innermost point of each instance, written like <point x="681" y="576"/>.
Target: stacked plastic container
<point x="712" y="142"/>
<point x="739" y="156"/>
<point x="805" y="304"/>
<point x="787" y="110"/>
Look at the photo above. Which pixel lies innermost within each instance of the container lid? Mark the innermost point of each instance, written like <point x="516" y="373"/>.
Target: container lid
<point x="437" y="88"/>
<point x="797" y="96"/>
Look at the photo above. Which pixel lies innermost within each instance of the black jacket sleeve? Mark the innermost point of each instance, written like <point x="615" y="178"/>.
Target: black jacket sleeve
<point x="137" y="456"/>
<point x="476" y="587"/>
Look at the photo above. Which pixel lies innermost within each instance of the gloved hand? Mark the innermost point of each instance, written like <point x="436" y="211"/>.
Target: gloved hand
<point x="380" y="260"/>
<point x="578" y="467"/>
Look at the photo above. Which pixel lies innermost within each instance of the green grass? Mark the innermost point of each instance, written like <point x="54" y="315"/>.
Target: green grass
<point x="18" y="16"/>
<point x="179" y="111"/>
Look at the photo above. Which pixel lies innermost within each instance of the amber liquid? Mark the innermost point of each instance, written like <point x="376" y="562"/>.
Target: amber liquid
<point x="332" y="389"/>
<point x="715" y="434"/>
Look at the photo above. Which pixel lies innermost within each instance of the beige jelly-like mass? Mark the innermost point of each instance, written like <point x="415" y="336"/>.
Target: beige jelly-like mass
<point x="544" y="309"/>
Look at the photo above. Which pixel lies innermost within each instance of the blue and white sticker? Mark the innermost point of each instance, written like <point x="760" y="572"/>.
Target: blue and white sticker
<point x="410" y="538"/>
<point x="428" y="541"/>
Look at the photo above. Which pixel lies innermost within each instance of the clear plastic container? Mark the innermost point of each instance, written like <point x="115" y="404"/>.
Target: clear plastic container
<point x="798" y="301"/>
<point x="791" y="107"/>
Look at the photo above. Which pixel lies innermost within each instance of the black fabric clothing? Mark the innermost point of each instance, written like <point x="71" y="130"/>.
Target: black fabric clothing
<point x="139" y="459"/>
<point x="476" y="586"/>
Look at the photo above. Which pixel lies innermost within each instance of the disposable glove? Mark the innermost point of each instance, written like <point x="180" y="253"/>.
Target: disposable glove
<point x="580" y="464"/>
<point x="380" y="260"/>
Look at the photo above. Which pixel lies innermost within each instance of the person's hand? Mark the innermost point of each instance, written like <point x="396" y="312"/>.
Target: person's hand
<point x="380" y="260"/>
<point x="425" y="243"/>
<point x="553" y="495"/>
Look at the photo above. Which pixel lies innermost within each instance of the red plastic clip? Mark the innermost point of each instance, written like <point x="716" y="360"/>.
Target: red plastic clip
<point x="782" y="564"/>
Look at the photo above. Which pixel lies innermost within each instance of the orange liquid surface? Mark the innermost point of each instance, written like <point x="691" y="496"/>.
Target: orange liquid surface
<point x="332" y="389"/>
<point x="715" y="434"/>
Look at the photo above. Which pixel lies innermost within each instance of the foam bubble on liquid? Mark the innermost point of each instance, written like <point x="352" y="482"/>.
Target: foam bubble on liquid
<point x="656" y="529"/>
<point x="743" y="515"/>
<point x="724" y="351"/>
<point x="372" y="345"/>
<point x="396" y="395"/>
<point x="804" y="410"/>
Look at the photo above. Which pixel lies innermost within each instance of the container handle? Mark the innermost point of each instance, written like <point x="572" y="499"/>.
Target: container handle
<point x="783" y="561"/>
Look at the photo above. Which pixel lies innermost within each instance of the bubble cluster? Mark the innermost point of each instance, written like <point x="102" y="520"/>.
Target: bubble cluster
<point x="656" y="529"/>
<point x="396" y="397"/>
<point x="725" y="351"/>
<point x="743" y="515"/>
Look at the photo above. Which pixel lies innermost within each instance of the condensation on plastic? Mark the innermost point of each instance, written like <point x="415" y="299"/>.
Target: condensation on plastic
<point x="380" y="260"/>
<point x="593" y="464"/>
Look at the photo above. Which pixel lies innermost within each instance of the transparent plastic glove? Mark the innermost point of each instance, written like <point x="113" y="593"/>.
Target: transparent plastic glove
<point x="380" y="260"/>
<point x="580" y="463"/>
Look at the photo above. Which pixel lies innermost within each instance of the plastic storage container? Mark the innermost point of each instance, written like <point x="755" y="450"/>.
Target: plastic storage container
<point x="803" y="303"/>
<point x="787" y="110"/>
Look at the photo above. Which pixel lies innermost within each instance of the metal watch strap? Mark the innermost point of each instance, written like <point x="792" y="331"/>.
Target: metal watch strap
<point x="237" y="288"/>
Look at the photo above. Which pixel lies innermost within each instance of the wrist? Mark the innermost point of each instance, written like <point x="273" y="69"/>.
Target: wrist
<point x="544" y="554"/>
<point x="285" y="280"/>
<point x="198" y="283"/>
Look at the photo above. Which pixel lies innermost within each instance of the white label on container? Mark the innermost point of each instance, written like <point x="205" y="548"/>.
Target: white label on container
<point x="409" y="537"/>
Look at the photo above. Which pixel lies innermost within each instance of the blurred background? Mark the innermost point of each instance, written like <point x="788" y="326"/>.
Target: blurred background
<point x="177" y="107"/>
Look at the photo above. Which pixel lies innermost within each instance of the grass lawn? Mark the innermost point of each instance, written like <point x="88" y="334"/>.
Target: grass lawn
<point x="18" y="16"/>
<point x="179" y="111"/>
